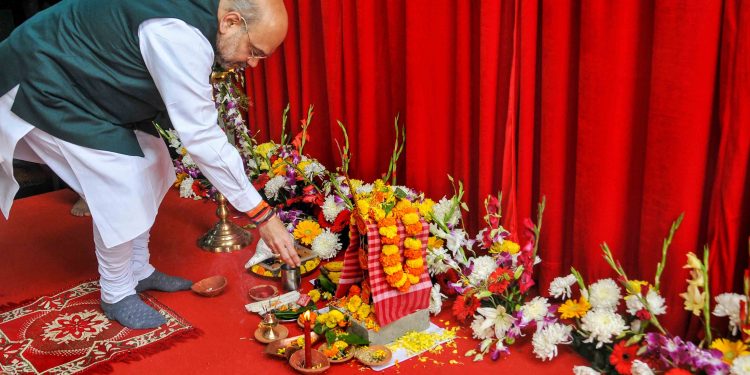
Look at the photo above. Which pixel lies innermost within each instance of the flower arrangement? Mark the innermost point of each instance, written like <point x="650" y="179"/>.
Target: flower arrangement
<point x="615" y="324"/>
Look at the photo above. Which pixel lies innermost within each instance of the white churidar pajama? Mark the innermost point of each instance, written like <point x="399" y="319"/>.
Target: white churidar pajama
<point x="124" y="192"/>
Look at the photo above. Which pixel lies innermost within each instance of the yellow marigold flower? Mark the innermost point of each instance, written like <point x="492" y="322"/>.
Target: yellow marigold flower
<point x="414" y="263"/>
<point x="355" y="184"/>
<point x="434" y="242"/>
<point x="401" y="281"/>
<point x="389" y="231"/>
<point x="314" y="295"/>
<point x="363" y="312"/>
<point x="377" y="213"/>
<point x="425" y="208"/>
<point x="730" y="349"/>
<point x="410" y="218"/>
<point x="392" y="269"/>
<point x="511" y="247"/>
<point x="340" y="345"/>
<point x="306" y="231"/>
<point x="337" y="315"/>
<point x="322" y="318"/>
<point x="574" y="309"/>
<point x="412" y="243"/>
<point x="378" y="185"/>
<point x="413" y="279"/>
<point x="354" y="303"/>
<point x="363" y="207"/>
<point x="390" y="249"/>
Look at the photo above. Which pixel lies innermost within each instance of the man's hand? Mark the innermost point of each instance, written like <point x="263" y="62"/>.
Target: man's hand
<point x="276" y="236"/>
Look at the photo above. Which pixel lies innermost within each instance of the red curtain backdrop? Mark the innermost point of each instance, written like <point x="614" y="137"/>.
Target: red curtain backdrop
<point x="623" y="114"/>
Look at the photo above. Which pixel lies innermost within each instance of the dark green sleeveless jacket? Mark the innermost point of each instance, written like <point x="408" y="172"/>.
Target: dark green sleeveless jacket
<point x="81" y="74"/>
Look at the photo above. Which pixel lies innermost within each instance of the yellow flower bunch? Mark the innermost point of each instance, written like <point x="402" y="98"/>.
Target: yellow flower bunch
<point x="574" y="309"/>
<point x="332" y="319"/>
<point x="314" y="295"/>
<point x="507" y="246"/>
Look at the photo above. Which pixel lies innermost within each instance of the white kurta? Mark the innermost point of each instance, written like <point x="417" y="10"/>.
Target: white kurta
<point x="124" y="192"/>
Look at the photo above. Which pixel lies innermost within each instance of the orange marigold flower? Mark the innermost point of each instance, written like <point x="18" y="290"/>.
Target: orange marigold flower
<point x="404" y="288"/>
<point x="390" y="260"/>
<point x="417" y="271"/>
<point x="395" y="278"/>
<point x="413" y="253"/>
<point x="389" y="241"/>
<point x="387" y="222"/>
<point x="354" y="290"/>
<point x="414" y="229"/>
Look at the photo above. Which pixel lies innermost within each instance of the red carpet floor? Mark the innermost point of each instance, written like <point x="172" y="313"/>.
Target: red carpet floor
<point x="44" y="249"/>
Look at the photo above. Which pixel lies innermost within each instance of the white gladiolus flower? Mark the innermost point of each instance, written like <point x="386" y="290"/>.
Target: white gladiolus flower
<point x="602" y="326"/>
<point x="326" y="245"/>
<point x="483" y="267"/>
<point x="313" y="169"/>
<point x="441" y="209"/>
<point x="331" y="209"/>
<point x="436" y="300"/>
<point x="656" y="303"/>
<point x="545" y="340"/>
<point x="273" y="185"/>
<point x="728" y="304"/>
<point x="498" y="318"/>
<point x="478" y="329"/>
<point x="741" y="365"/>
<point x="435" y="261"/>
<point x="604" y="294"/>
<point x="364" y="189"/>
<point x="560" y="286"/>
<point x="640" y="368"/>
<point x="187" y="161"/>
<point x="186" y="188"/>
<point x="535" y="310"/>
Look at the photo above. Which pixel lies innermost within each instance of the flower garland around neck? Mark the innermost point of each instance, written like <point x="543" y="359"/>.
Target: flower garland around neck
<point x="384" y="208"/>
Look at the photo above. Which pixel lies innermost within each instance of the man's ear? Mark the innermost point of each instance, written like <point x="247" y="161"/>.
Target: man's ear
<point x="229" y="21"/>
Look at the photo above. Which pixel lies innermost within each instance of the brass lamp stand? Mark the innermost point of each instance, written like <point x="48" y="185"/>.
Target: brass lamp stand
<point x="225" y="236"/>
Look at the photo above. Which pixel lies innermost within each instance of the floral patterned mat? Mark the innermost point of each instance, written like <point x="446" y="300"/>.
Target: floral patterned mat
<point x="67" y="333"/>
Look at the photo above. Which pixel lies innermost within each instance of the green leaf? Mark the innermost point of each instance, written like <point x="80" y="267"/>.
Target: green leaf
<point x="400" y="194"/>
<point x="330" y="337"/>
<point x="352" y="339"/>
<point x="319" y="328"/>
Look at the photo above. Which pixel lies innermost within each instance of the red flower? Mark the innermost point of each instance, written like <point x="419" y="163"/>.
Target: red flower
<point x="677" y="371"/>
<point x="465" y="306"/>
<point x="444" y="279"/>
<point x="622" y="357"/>
<point x="297" y="142"/>
<point x="199" y="189"/>
<point x="312" y="196"/>
<point x="261" y="181"/>
<point x="499" y="280"/>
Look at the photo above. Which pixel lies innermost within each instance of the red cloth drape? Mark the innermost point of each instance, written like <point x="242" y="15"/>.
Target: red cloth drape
<point x="623" y="114"/>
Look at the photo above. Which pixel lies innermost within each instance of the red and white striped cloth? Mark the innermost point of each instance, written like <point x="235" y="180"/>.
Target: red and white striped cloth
<point x="390" y="304"/>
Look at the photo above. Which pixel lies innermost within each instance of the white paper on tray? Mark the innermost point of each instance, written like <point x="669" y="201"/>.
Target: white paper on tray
<point x="402" y="355"/>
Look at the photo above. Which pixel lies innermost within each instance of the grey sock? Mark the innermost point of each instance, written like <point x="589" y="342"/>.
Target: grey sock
<point x="133" y="313"/>
<point x="162" y="282"/>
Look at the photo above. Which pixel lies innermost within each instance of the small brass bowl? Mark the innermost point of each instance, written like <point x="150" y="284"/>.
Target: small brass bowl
<point x="210" y="286"/>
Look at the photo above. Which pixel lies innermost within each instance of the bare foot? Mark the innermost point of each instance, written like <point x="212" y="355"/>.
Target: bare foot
<point x="80" y="208"/>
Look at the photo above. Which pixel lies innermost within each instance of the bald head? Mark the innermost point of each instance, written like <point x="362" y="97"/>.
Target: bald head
<point x="262" y="23"/>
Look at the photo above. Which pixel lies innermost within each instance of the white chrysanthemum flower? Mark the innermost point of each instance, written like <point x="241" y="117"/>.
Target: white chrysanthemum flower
<point x="364" y="189"/>
<point x="585" y="370"/>
<point x="535" y="310"/>
<point x="273" y="185"/>
<point x="187" y="161"/>
<point x="728" y="304"/>
<point x="560" y="286"/>
<point x="741" y="365"/>
<point x="435" y="261"/>
<point x="436" y="300"/>
<point x="441" y="209"/>
<point x="483" y="267"/>
<point x="331" y="209"/>
<point x="640" y="368"/>
<point x="656" y="303"/>
<point x="314" y="169"/>
<point x="545" y="340"/>
<point x="326" y="245"/>
<point x="498" y="318"/>
<point x="186" y="188"/>
<point x="479" y="331"/>
<point x="604" y="294"/>
<point x="602" y="326"/>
